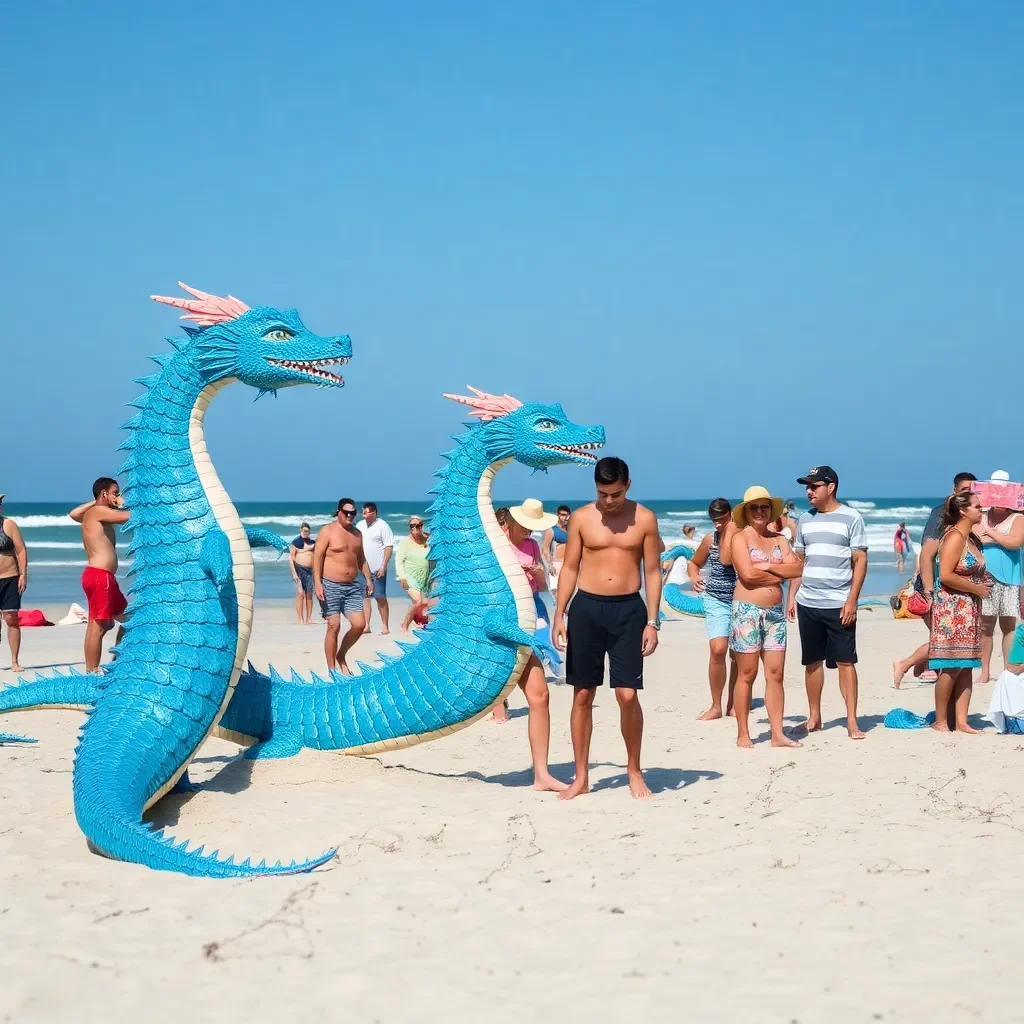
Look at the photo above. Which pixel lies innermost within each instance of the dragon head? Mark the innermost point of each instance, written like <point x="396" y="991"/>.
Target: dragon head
<point x="263" y="347"/>
<point x="536" y="435"/>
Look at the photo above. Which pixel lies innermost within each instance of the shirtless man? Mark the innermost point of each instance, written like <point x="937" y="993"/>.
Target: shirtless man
<point x="607" y="542"/>
<point x="338" y="559"/>
<point x="13" y="581"/>
<point x="107" y="604"/>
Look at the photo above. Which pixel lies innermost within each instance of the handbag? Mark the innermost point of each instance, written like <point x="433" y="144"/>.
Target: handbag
<point x="918" y="604"/>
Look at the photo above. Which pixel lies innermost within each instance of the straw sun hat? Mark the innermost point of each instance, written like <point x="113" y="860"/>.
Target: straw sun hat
<point x="531" y="516"/>
<point x="739" y="513"/>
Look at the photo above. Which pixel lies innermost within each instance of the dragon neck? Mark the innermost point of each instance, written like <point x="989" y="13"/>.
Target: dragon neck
<point x="463" y="509"/>
<point x="172" y="488"/>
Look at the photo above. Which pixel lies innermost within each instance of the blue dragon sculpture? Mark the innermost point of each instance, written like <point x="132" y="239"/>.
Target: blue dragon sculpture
<point x="191" y="597"/>
<point x="686" y="602"/>
<point x="478" y="641"/>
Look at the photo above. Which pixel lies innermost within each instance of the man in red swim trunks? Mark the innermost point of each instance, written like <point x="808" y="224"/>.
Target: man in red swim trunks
<point x="107" y="604"/>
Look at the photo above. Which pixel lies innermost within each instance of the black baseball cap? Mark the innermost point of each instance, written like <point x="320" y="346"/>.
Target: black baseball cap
<point x="820" y="475"/>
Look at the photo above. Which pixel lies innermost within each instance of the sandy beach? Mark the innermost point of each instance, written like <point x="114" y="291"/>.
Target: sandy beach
<point x="843" y="881"/>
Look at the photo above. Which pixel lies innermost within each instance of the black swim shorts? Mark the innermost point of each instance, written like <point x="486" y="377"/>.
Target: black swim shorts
<point x="600" y="625"/>
<point x="10" y="599"/>
<point x="823" y="637"/>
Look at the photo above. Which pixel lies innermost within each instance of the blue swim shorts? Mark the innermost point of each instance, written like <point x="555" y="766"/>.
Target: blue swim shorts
<point x="717" y="617"/>
<point x="342" y="598"/>
<point x="379" y="584"/>
<point x="305" y="578"/>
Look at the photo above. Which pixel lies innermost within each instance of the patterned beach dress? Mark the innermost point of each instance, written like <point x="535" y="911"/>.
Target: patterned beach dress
<point x="955" y="639"/>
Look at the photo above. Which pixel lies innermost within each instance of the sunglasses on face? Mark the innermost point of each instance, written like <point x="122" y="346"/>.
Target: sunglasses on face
<point x="348" y="511"/>
<point x="760" y="508"/>
<point x="814" y="487"/>
<point x="415" y="526"/>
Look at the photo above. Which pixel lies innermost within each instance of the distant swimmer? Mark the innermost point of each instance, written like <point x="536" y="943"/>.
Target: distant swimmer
<point x="901" y="545"/>
<point x="338" y="559"/>
<point x="300" y="555"/>
<point x="13" y="581"/>
<point x="553" y="545"/>
<point x="107" y="604"/>
<point x="608" y="540"/>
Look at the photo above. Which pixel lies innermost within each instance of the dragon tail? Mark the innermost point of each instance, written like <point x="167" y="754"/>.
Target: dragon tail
<point x="115" y="835"/>
<point x="75" y="691"/>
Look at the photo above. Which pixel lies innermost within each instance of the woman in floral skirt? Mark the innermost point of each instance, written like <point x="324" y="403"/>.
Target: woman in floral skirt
<point x="954" y="646"/>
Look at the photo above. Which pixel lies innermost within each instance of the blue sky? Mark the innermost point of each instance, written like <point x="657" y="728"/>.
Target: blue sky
<point x="745" y="237"/>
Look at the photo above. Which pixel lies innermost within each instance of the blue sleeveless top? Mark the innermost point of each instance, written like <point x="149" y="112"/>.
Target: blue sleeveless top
<point x="559" y="534"/>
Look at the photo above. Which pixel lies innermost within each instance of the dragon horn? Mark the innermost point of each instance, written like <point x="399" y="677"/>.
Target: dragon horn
<point x="204" y="309"/>
<point x="487" y="406"/>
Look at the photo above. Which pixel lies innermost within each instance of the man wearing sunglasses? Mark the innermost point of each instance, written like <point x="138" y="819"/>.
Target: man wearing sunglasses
<point x="833" y="545"/>
<point x="338" y="559"/>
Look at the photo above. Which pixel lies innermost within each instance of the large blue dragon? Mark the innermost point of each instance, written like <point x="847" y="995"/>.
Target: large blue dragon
<point x="191" y="597"/>
<point x="477" y="644"/>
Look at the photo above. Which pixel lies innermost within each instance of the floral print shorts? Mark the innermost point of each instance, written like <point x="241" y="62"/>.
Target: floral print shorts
<point x="755" y="629"/>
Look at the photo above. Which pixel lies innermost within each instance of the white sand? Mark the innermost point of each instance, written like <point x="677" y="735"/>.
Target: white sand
<point x="840" y="882"/>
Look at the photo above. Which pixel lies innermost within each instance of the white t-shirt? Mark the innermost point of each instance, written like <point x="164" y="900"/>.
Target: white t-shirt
<point x="375" y="539"/>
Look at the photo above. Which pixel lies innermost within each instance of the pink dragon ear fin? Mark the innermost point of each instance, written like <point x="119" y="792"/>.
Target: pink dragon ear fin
<point x="487" y="407"/>
<point x="204" y="309"/>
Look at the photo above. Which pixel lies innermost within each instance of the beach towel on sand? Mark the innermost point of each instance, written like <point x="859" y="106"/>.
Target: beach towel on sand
<point x="32" y="617"/>
<point x="1006" y="709"/>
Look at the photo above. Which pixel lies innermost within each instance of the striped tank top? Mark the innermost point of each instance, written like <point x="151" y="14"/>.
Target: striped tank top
<point x="719" y="580"/>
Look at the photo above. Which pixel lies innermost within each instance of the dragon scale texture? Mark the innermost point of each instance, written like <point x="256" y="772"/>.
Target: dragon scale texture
<point x="192" y="591"/>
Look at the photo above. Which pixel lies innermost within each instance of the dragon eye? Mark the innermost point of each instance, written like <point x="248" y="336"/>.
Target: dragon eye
<point x="546" y="425"/>
<point x="279" y="334"/>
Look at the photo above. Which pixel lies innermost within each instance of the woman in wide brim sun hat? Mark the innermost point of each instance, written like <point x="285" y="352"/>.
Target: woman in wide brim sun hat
<point x="762" y="559"/>
<point x="739" y="513"/>
<point x="531" y="516"/>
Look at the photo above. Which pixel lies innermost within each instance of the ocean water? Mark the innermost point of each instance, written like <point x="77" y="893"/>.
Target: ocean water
<point x="56" y="556"/>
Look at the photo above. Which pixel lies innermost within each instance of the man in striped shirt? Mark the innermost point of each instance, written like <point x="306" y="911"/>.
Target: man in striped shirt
<point x="833" y="545"/>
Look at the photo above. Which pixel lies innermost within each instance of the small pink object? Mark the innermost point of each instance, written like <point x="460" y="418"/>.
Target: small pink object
<point x="205" y="309"/>
<point x="487" y="407"/>
<point x="1000" y="495"/>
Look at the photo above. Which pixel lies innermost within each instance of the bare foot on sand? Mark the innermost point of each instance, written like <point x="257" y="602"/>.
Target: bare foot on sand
<point x="745" y="742"/>
<point x="785" y="741"/>
<point x="17" y="668"/>
<point x="968" y="728"/>
<point x="548" y="784"/>
<point x="385" y="632"/>
<point x="638" y="787"/>
<point x="897" y="674"/>
<point x="577" y="788"/>
<point x="939" y="727"/>
<point x="854" y="731"/>
<point x="710" y="715"/>
<point x="344" y="669"/>
<point x="730" y="713"/>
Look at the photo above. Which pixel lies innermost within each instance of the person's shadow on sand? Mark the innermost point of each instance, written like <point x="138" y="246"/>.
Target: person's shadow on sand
<point x="658" y="779"/>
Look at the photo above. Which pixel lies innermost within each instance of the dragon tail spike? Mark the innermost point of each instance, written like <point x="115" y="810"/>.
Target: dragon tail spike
<point x="364" y="669"/>
<point x="135" y="842"/>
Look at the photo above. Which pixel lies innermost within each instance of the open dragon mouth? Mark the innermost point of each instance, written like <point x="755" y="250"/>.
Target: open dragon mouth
<point x="314" y="368"/>
<point x="579" y="451"/>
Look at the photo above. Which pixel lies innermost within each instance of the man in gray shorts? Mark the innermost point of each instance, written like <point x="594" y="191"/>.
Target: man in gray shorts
<point x="337" y="561"/>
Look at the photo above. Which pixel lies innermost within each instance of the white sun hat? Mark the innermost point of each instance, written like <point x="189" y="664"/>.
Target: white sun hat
<point x="531" y="516"/>
<point x="1000" y="476"/>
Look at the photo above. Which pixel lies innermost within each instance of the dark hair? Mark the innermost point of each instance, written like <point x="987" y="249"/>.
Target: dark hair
<point x="501" y="514"/>
<point x="953" y="509"/>
<point x="104" y="483"/>
<point x="611" y="470"/>
<point x="719" y="507"/>
<point x="962" y="478"/>
<point x="371" y="505"/>
<point x="564" y="508"/>
<point x="304" y="526"/>
<point x="346" y="501"/>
